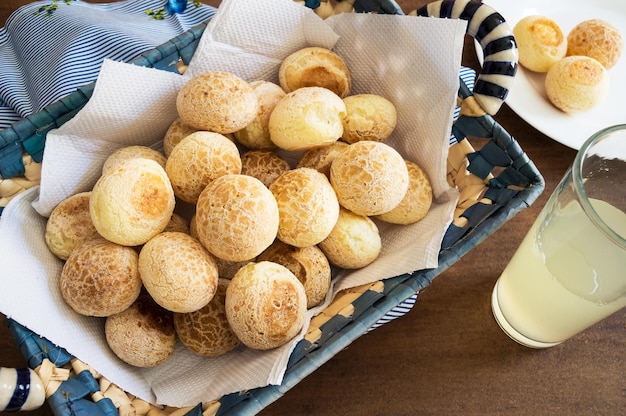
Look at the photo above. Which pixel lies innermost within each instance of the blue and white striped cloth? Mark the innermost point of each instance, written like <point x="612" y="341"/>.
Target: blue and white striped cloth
<point x="50" y="48"/>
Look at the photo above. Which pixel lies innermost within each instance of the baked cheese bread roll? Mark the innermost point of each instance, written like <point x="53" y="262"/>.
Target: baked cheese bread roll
<point x="198" y="159"/>
<point x="370" y="178"/>
<point x="264" y="165"/>
<point x="577" y="83"/>
<point x="368" y="117"/>
<point x="178" y="272"/>
<point x="417" y="201"/>
<point x="597" y="39"/>
<point x="142" y="335"/>
<point x="69" y="225"/>
<point x="217" y="101"/>
<point x="308" y="264"/>
<point x="540" y="41"/>
<point x="100" y="278"/>
<point x="265" y="305"/>
<point x="307" y="205"/>
<point x="206" y="331"/>
<point x="256" y="134"/>
<point x="132" y="152"/>
<point x="306" y="118"/>
<point x="132" y="202"/>
<point x="236" y="217"/>
<point x="315" y="67"/>
<point x="353" y="243"/>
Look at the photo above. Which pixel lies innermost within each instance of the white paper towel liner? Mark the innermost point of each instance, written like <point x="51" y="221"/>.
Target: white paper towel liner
<point x="412" y="61"/>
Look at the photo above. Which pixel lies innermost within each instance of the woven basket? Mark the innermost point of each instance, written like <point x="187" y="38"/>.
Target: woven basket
<point x="496" y="180"/>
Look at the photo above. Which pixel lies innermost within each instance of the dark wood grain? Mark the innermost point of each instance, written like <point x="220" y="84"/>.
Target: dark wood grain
<point x="448" y="356"/>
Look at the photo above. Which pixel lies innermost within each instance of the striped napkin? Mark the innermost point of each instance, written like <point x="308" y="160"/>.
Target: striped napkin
<point x="49" y="49"/>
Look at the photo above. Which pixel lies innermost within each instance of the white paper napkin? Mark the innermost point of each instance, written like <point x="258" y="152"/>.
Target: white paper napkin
<point x="130" y="105"/>
<point x="413" y="61"/>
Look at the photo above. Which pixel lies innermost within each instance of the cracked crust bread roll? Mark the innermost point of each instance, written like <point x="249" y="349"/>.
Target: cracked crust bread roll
<point x="315" y="67"/>
<point x="177" y="131"/>
<point x="265" y="305"/>
<point x="306" y="118"/>
<point x="307" y="205"/>
<point x="256" y="134"/>
<point x="142" y="335"/>
<point x="206" y="331"/>
<point x="198" y="159"/>
<point x="236" y="217"/>
<point x="132" y="202"/>
<point x="132" y="152"/>
<point x="227" y="269"/>
<point x="577" y="83"/>
<point x="353" y="243"/>
<point x="69" y="225"/>
<point x="320" y="158"/>
<point x="178" y="272"/>
<point x="308" y="264"/>
<point x="100" y="278"/>
<point x="217" y="101"/>
<point x="370" y="178"/>
<point x="596" y="39"/>
<point x="264" y="165"/>
<point x="177" y="223"/>
<point x="368" y="117"/>
<point x="540" y="41"/>
<point x="417" y="201"/>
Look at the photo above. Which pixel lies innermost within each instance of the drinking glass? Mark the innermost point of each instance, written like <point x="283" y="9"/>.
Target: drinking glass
<point x="570" y="270"/>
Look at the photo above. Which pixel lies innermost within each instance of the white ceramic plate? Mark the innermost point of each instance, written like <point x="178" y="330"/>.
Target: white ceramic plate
<point x="527" y="96"/>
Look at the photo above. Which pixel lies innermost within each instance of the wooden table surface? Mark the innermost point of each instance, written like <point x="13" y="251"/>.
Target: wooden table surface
<point x="447" y="356"/>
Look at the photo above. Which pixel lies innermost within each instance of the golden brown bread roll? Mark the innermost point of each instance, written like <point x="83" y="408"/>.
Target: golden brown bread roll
<point x="100" y="278"/>
<point x="307" y="205"/>
<point x="306" y="118"/>
<point x="264" y="165"/>
<point x="177" y="131"/>
<point x="577" y="83"/>
<point x="368" y="117"/>
<point x="236" y="217"/>
<point x="142" y="335"/>
<point x="256" y="134"/>
<point x="597" y="39"/>
<point x="132" y="202"/>
<point x="178" y="272"/>
<point x="177" y="223"/>
<point x="353" y="243"/>
<point x="541" y="42"/>
<point x="227" y="269"/>
<point x="308" y="264"/>
<point x="131" y="152"/>
<point x="69" y="225"/>
<point x="370" y="178"/>
<point x="217" y="101"/>
<point x="206" y="331"/>
<point x="315" y="67"/>
<point x="417" y="201"/>
<point x="265" y="305"/>
<point x="320" y="158"/>
<point x="198" y="159"/>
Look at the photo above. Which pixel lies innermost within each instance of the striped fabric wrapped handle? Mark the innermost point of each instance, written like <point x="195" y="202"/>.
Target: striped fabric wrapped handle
<point x="20" y="389"/>
<point x="496" y="39"/>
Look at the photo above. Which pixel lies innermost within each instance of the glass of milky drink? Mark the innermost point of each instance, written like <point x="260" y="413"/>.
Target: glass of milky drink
<point x="570" y="270"/>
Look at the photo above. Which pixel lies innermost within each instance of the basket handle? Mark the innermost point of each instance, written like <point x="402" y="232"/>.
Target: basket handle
<point x="496" y="39"/>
